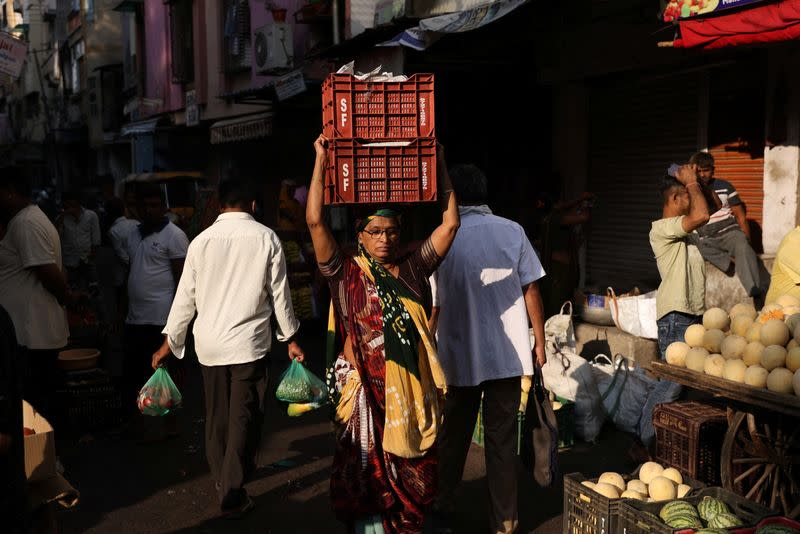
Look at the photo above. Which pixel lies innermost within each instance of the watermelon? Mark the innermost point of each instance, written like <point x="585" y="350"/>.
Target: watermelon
<point x="684" y="521"/>
<point x="674" y="508"/>
<point x="724" y="520"/>
<point x="709" y="507"/>
<point x="777" y="529"/>
<point x="711" y="531"/>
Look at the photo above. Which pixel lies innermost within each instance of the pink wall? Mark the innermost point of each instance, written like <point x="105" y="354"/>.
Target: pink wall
<point x="259" y="16"/>
<point x="157" y="60"/>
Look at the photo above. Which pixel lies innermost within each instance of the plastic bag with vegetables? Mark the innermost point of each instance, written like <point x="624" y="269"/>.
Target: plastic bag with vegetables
<point x="302" y="389"/>
<point x="159" y="396"/>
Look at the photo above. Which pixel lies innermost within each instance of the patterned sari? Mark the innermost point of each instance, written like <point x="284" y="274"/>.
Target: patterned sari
<point x="385" y="465"/>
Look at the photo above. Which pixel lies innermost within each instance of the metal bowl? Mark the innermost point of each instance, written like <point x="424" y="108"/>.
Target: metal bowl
<point x="78" y="359"/>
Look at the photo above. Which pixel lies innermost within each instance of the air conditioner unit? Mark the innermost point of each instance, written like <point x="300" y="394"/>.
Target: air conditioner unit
<point x="273" y="51"/>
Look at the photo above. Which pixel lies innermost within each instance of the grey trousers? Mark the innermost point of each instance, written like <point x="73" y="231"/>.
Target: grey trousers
<point x="720" y="248"/>
<point x="234" y="416"/>
<point x="500" y="406"/>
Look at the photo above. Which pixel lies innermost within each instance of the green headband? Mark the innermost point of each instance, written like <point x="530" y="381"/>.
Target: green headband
<point x="382" y="212"/>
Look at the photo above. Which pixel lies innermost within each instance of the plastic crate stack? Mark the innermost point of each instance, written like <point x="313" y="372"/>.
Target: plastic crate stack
<point x="382" y="140"/>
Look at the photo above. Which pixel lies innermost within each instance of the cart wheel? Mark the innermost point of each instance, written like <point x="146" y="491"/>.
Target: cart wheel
<point x="761" y="461"/>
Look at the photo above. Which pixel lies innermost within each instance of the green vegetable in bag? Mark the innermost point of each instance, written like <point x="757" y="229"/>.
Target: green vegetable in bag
<point x="159" y="396"/>
<point x="299" y="385"/>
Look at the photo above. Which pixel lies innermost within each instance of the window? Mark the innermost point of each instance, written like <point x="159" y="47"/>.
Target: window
<point x="238" y="51"/>
<point x="76" y="66"/>
<point x="182" y="36"/>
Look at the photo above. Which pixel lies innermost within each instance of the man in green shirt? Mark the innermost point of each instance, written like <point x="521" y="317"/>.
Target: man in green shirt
<point x="680" y="301"/>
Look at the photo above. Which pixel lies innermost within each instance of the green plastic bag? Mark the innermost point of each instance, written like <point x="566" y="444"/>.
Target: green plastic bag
<point x="298" y="385"/>
<point x="160" y="395"/>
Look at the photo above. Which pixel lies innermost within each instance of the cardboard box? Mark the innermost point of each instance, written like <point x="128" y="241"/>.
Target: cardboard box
<point x="40" y="448"/>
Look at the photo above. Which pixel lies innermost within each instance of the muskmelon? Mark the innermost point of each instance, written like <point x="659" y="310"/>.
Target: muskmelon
<point x="683" y="490"/>
<point x="792" y="321"/>
<point x="588" y="484"/>
<point x="716" y="319"/>
<point x="793" y="344"/>
<point x="780" y="380"/>
<point x="673" y="474"/>
<point x="649" y="471"/>
<point x="607" y="490"/>
<point x="630" y="494"/>
<point x="788" y="311"/>
<point x="775" y="332"/>
<point x="786" y="301"/>
<point x="713" y="365"/>
<point x="662" y="489"/>
<point x="740" y="324"/>
<point x="756" y="376"/>
<point x="793" y="359"/>
<point x="637" y="485"/>
<point x="712" y="340"/>
<point x="734" y="370"/>
<point x="796" y="382"/>
<point x="615" y="479"/>
<point x="732" y="347"/>
<point x="797" y="333"/>
<point x="694" y="335"/>
<point x="770" y="312"/>
<point x="748" y="310"/>
<point x="676" y="353"/>
<point x="752" y="353"/>
<point x="773" y="356"/>
<point x="753" y="333"/>
<point x="696" y="359"/>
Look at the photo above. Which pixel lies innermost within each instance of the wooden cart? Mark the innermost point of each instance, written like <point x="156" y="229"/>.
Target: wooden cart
<point x="761" y="452"/>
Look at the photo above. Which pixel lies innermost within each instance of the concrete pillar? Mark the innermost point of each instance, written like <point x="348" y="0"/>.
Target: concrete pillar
<point x="782" y="155"/>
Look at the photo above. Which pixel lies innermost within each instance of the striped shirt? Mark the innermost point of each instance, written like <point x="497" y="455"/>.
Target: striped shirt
<point x="728" y="196"/>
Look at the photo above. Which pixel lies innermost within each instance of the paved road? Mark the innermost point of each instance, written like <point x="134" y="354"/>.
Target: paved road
<point x="165" y="487"/>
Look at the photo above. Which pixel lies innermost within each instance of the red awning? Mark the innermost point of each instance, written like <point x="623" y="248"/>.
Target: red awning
<point x="764" y="24"/>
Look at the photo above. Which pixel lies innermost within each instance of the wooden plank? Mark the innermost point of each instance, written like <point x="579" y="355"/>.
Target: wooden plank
<point x="719" y="387"/>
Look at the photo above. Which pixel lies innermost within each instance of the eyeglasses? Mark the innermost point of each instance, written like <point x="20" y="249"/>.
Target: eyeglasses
<point x="391" y="233"/>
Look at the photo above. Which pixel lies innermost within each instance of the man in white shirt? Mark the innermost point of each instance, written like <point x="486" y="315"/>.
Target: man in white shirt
<point x="484" y="295"/>
<point x="80" y="237"/>
<point x="234" y="279"/>
<point x="32" y="286"/>
<point x="121" y="228"/>
<point x="156" y="249"/>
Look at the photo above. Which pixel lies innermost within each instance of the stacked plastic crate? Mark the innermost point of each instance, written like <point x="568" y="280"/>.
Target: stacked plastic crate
<point x="382" y="140"/>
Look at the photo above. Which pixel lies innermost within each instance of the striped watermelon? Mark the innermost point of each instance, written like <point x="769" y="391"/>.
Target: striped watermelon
<point x="709" y="507"/>
<point x="777" y="529"/>
<point x="711" y="531"/>
<point x="684" y="521"/>
<point x="724" y="520"/>
<point x="674" y="508"/>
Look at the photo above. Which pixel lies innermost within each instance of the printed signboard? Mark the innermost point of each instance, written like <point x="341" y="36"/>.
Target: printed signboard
<point x="12" y="54"/>
<point x="684" y="9"/>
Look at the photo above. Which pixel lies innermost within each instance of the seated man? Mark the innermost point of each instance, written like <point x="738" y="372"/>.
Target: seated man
<point x="727" y="235"/>
<point x="786" y="271"/>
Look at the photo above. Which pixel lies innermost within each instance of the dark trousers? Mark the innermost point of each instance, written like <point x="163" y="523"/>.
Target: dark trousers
<point x="42" y="378"/>
<point x="500" y="406"/>
<point x="234" y="417"/>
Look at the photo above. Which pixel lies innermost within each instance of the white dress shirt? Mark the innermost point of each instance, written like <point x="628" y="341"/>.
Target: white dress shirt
<point x="234" y="277"/>
<point x="483" y="329"/>
<point x="31" y="240"/>
<point x="79" y="236"/>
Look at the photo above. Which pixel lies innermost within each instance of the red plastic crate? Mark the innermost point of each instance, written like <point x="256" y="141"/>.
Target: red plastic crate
<point x="362" y="174"/>
<point x="377" y="110"/>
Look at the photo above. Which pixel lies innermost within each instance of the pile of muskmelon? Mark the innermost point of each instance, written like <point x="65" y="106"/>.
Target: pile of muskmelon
<point x="710" y="515"/>
<point x="654" y="483"/>
<point x="759" y="349"/>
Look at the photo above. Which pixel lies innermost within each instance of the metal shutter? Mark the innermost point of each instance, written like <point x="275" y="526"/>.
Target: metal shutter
<point x="637" y="128"/>
<point x="734" y="162"/>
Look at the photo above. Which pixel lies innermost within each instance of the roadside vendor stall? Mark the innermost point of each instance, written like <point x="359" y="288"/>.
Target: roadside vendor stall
<point x="760" y="457"/>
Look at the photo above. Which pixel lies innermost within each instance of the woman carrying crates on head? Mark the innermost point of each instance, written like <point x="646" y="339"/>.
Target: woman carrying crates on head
<point x="387" y="377"/>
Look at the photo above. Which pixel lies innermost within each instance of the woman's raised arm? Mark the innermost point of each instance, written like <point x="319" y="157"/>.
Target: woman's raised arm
<point x="321" y="236"/>
<point x="444" y="234"/>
